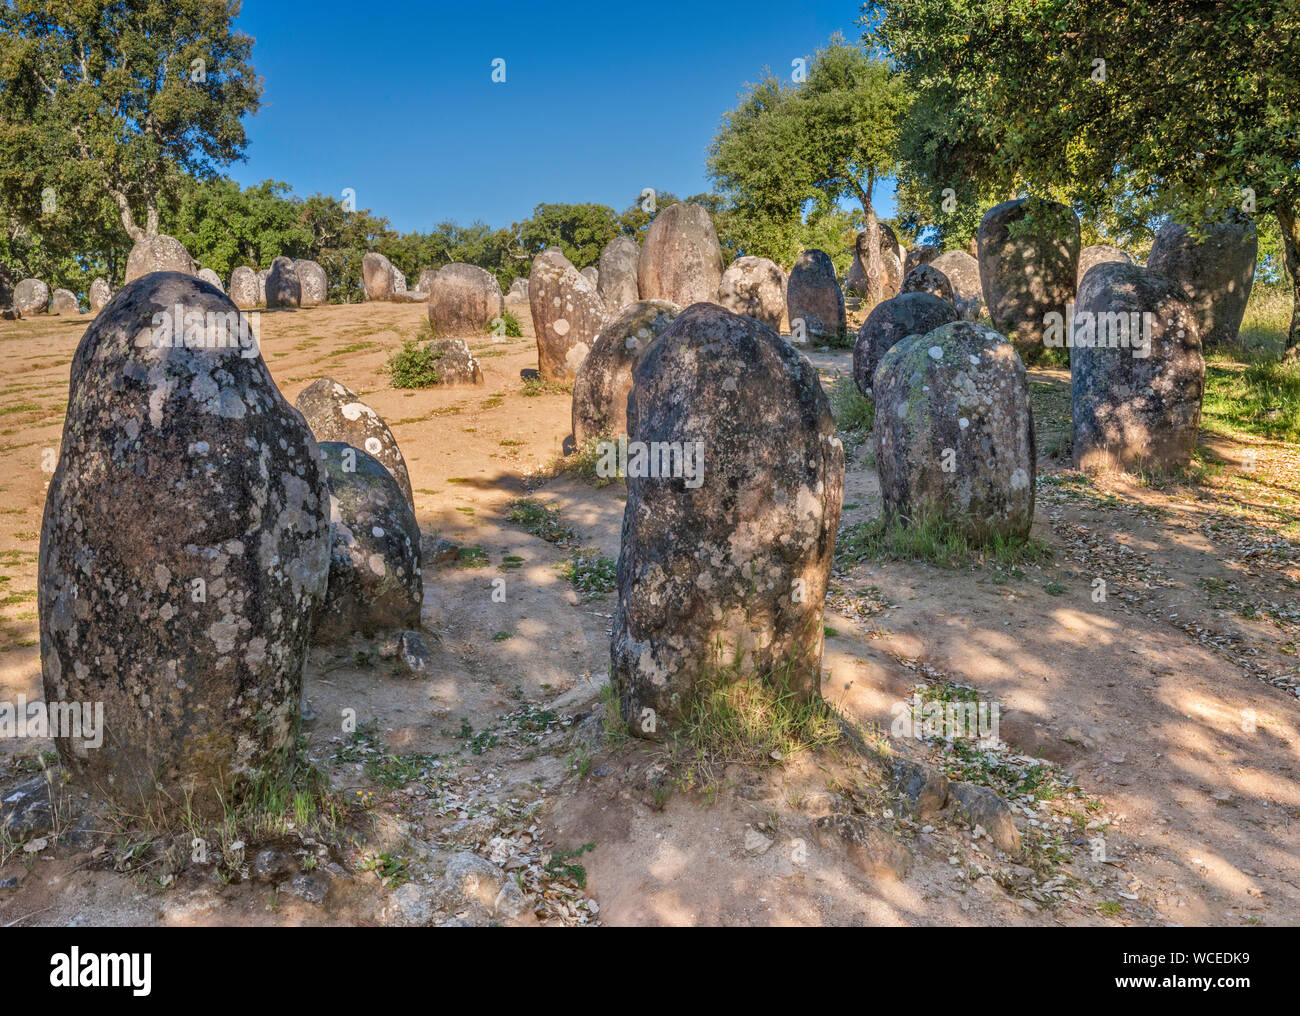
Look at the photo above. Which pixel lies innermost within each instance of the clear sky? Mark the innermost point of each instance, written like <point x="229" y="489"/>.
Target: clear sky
<point x="396" y="100"/>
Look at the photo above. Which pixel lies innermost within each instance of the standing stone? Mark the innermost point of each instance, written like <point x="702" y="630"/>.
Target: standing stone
<point x="928" y="279"/>
<point x="335" y="413"/>
<point x="377" y="276"/>
<point x="313" y="285"/>
<point x="463" y="300"/>
<point x="954" y="433"/>
<point x="374" y="571"/>
<point x="283" y="290"/>
<point x="243" y="288"/>
<point x="888" y="324"/>
<point x="814" y="301"/>
<point x="456" y="364"/>
<point x="605" y="377"/>
<point x="1031" y="274"/>
<point x="891" y="264"/>
<point x="963" y="273"/>
<point x="262" y="276"/>
<point x="184" y="553"/>
<point x="727" y="562"/>
<point x="592" y="275"/>
<point x="1216" y="273"/>
<point x="518" y="290"/>
<point x="754" y="287"/>
<point x="211" y="278"/>
<point x="1099" y="254"/>
<point x="680" y="261"/>
<point x="158" y="254"/>
<point x="618" y="265"/>
<point x="100" y="294"/>
<point x="1135" y="391"/>
<point x="917" y="256"/>
<point x="399" y="282"/>
<point x="567" y="315"/>
<point x="32" y="296"/>
<point x="64" y="302"/>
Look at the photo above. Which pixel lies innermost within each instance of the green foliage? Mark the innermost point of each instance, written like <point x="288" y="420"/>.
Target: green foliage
<point x="539" y="519"/>
<point x="1261" y="397"/>
<point x="415" y="365"/>
<point x="512" y="328"/>
<point x="580" y="231"/>
<point x="855" y="414"/>
<point x="929" y="537"/>
<point x="591" y="574"/>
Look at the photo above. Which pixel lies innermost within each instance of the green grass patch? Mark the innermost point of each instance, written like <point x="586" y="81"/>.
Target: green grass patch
<point x="932" y="538"/>
<point x="535" y="386"/>
<point x="591" y="574"/>
<point x="1260" y="397"/>
<point x="539" y="519"/>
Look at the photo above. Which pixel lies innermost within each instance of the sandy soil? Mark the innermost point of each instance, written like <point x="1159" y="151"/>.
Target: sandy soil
<point x="1163" y="718"/>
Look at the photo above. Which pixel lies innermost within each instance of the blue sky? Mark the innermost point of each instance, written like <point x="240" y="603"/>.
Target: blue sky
<point x="395" y="99"/>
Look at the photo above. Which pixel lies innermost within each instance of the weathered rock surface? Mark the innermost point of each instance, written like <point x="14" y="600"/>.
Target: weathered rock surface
<point x="336" y="413"/>
<point x="681" y="260"/>
<point x="963" y="273"/>
<point x="64" y="302"/>
<point x="814" y="302"/>
<point x="917" y="256"/>
<point x="1216" y="274"/>
<point x="190" y="624"/>
<point x="888" y="324"/>
<point x="100" y="294"/>
<point x="954" y="434"/>
<point x="32" y="296"/>
<point x="754" y="287"/>
<point x="377" y="276"/>
<point x="283" y="290"/>
<point x="262" y="276"/>
<point x="605" y="377"/>
<point x="244" y="291"/>
<point x="981" y="808"/>
<point x="617" y="284"/>
<point x="211" y="278"/>
<point x="1099" y="254"/>
<point x="928" y="279"/>
<point x="891" y="264"/>
<point x="313" y="285"/>
<point x="725" y="560"/>
<point x="567" y="315"/>
<point x="1028" y="270"/>
<point x="872" y="849"/>
<point x="374" y="575"/>
<point x="1131" y="409"/>
<point x="456" y="365"/>
<point x="463" y="300"/>
<point x="158" y="254"/>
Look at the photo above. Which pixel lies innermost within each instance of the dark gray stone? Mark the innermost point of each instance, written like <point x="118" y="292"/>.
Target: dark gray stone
<point x="1216" y="273"/>
<point x="813" y="297"/>
<point x="963" y="273"/>
<point x="283" y="290"/>
<point x="928" y="279"/>
<point x="888" y="324"/>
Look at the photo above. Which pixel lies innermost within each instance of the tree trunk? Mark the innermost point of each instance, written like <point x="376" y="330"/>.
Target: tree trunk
<point x="1289" y="219"/>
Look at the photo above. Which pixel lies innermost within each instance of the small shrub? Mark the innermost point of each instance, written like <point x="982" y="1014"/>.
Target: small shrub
<point x="539" y="520"/>
<point x="413" y="366"/>
<point x="591" y="574"/>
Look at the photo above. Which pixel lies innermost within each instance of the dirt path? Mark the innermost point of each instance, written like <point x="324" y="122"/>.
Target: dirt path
<point x="1166" y="712"/>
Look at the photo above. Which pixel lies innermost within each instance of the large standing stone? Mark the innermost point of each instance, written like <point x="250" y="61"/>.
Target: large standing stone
<point x="917" y="256"/>
<point x="244" y="288"/>
<point x="425" y="283"/>
<point x="1216" y="273"/>
<point x="32" y="296"/>
<point x="754" y="287"/>
<point x="618" y="265"/>
<point x="814" y="301"/>
<point x="374" y="572"/>
<point x="954" y="433"/>
<point x="963" y="273"/>
<point x="464" y="300"/>
<point x="399" y="282"/>
<point x="314" y="286"/>
<point x="888" y="324"/>
<point x="605" y="377"/>
<point x="928" y="279"/>
<point x="680" y="261"/>
<point x="184" y="553"/>
<point x="158" y="254"/>
<point x="100" y="294"/>
<point x="262" y="276"/>
<point x="283" y="290"/>
<point x="64" y="302"/>
<point x="377" y="276"/>
<point x="1028" y="269"/>
<point x="1099" y="254"/>
<point x="567" y="315"/>
<point x="1135" y="385"/>
<point x="728" y="562"/>
<point x="592" y="274"/>
<point x="210" y="277"/>
<point x="891" y="264"/>
<point x="335" y="413"/>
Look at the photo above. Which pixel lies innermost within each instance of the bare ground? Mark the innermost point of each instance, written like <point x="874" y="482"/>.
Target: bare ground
<point x="1149" y="737"/>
